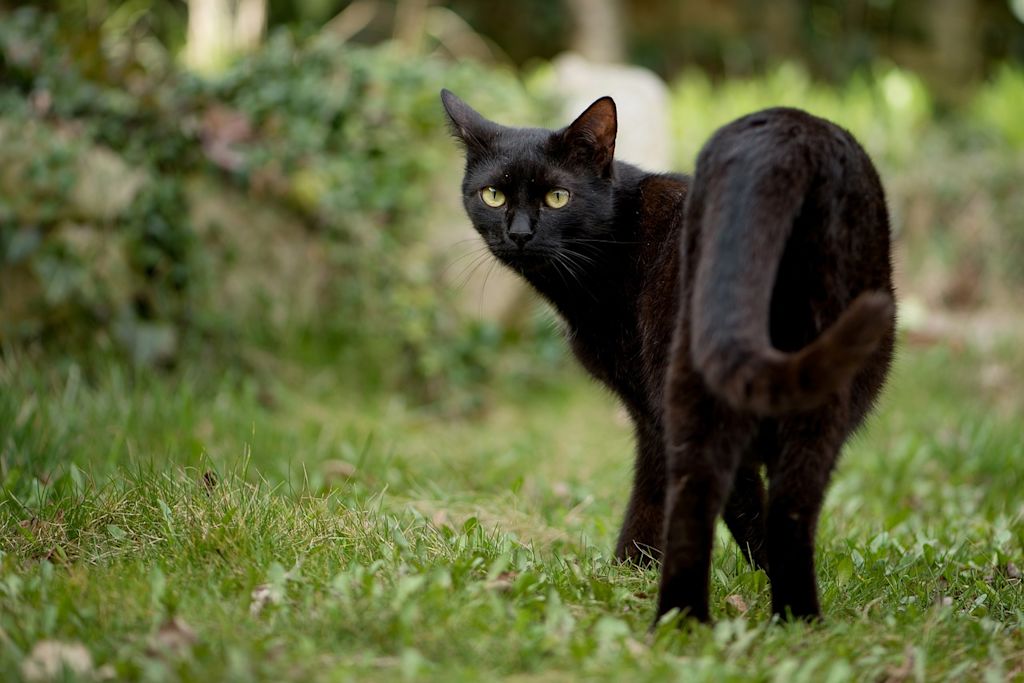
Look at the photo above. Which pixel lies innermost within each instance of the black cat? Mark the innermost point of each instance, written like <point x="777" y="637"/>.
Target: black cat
<point x="745" y="317"/>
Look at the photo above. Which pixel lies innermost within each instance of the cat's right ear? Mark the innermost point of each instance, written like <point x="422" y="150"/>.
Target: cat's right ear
<point x="591" y="137"/>
<point x="475" y="132"/>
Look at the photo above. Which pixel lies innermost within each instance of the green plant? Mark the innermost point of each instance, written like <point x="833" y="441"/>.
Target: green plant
<point x="100" y="233"/>
<point x="207" y="524"/>
<point x="998" y="105"/>
<point x="886" y="109"/>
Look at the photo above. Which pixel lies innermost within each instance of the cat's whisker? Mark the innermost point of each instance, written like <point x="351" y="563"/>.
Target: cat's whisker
<point x="557" y="265"/>
<point x="477" y="256"/>
<point x="483" y="289"/>
<point x="474" y="252"/>
<point x="601" y="251"/>
<point x="587" y="259"/>
<point x="571" y="268"/>
<point x="589" y="240"/>
<point x="474" y="238"/>
<point x="480" y="260"/>
<point x="574" y="258"/>
<point x="477" y="243"/>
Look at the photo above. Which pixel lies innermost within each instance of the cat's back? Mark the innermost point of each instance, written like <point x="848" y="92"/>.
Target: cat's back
<point x="788" y="157"/>
<point x="661" y="229"/>
<point x="785" y="137"/>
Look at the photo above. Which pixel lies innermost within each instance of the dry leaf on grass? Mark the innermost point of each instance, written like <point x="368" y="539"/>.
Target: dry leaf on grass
<point x="175" y="637"/>
<point x="262" y="595"/>
<point x="737" y="603"/>
<point x="336" y="471"/>
<point x="636" y="648"/>
<point x="903" y="672"/>
<point x="561" y="490"/>
<point x="502" y="582"/>
<point x="51" y="658"/>
<point x="440" y="519"/>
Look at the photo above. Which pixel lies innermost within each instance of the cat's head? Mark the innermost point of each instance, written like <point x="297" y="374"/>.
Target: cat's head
<point x="536" y="195"/>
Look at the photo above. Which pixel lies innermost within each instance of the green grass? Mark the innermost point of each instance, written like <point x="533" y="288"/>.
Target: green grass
<point x="298" y="530"/>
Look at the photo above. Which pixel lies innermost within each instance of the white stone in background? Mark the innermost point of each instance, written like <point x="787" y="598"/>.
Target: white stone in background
<point x="641" y="98"/>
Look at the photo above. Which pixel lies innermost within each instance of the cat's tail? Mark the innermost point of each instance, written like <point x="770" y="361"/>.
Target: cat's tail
<point x="730" y="342"/>
<point x="766" y="381"/>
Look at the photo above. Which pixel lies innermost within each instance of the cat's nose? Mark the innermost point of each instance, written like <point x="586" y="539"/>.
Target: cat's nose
<point x="520" y="238"/>
<point x="520" y="231"/>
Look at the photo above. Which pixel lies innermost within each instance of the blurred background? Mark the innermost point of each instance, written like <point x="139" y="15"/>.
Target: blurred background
<point x="249" y="183"/>
<point x="264" y="395"/>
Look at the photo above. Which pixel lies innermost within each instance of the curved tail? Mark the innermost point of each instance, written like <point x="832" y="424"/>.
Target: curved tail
<point x="770" y="382"/>
<point x="742" y="243"/>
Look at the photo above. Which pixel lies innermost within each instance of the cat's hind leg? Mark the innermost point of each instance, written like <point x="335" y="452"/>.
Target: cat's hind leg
<point x="705" y="443"/>
<point x="797" y="479"/>
<point x="744" y="514"/>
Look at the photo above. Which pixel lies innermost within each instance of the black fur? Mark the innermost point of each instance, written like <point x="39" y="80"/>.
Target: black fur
<point x="745" y="317"/>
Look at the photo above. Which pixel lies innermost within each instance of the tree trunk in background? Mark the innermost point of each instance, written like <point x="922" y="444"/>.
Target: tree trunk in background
<point x="778" y="30"/>
<point x="250" y="24"/>
<point x="410" y="17"/>
<point x="599" y="31"/>
<point x="954" y="51"/>
<point x="218" y="29"/>
<point x="951" y="58"/>
<point x="209" y="23"/>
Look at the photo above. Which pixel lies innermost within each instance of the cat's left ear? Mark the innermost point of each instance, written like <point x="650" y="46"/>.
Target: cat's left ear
<point x="475" y="132"/>
<point x="591" y="137"/>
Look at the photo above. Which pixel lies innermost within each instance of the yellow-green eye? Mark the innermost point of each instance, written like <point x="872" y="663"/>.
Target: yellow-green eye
<point x="492" y="197"/>
<point x="557" y="198"/>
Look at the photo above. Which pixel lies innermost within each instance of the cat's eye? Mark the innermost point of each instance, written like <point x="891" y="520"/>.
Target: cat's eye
<point x="493" y="197"/>
<point x="557" y="198"/>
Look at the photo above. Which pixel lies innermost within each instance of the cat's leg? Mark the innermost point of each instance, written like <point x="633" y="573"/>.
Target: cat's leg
<point x="797" y="478"/>
<point x="745" y="514"/>
<point x="704" y="448"/>
<point x="641" y="535"/>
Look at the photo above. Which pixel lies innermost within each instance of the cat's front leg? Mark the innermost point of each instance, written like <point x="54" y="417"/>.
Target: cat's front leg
<point x="641" y="536"/>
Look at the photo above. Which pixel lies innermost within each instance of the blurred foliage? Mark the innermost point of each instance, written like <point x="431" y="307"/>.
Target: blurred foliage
<point x="952" y="46"/>
<point x="953" y="43"/>
<point x="999" y="106"/>
<point x="286" y="203"/>
<point x="95" y="241"/>
<point x="957" y="41"/>
<point x="951" y="178"/>
<point x="538" y="29"/>
<point x="105" y="153"/>
<point x="887" y="109"/>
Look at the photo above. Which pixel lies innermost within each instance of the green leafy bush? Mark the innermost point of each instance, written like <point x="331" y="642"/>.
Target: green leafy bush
<point x="295" y="199"/>
<point x="886" y="110"/>
<point x="353" y="140"/>
<point x="999" y="106"/>
<point x="94" y="240"/>
<point x="107" y="153"/>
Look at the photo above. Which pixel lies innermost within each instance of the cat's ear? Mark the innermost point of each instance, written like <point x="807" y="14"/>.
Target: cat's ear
<point x="475" y="132"/>
<point x="591" y="137"/>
